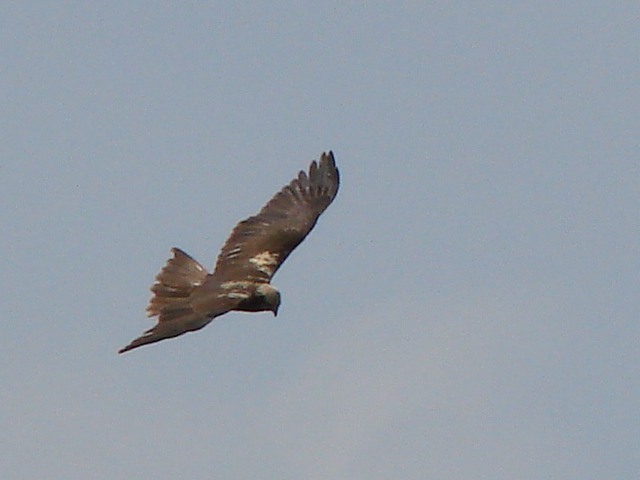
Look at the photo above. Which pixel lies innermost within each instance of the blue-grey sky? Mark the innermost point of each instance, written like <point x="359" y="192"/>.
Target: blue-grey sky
<point x="467" y="307"/>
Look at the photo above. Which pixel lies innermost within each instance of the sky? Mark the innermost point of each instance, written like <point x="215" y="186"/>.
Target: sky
<point x="467" y="307"/>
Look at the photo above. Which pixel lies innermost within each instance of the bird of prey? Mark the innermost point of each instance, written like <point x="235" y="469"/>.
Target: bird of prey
<point x="185" y="297"/>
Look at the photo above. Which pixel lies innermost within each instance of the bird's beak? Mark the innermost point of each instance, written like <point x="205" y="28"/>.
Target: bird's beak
<point x="275" y="312"/>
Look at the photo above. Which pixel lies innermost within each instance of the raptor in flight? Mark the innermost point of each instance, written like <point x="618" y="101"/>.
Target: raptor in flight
<point x="186" y="297"/>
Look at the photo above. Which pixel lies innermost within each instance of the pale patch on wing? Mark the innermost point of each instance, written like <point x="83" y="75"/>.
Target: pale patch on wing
<point x="235" y="284"/>
<point x="236" y="289"/>
<point x="266" y="262"/>
<point x="234" y="252"/>
<point x="240" y="295"/>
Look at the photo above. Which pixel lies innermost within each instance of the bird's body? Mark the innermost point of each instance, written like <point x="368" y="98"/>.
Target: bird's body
<point x="186" y="297"/>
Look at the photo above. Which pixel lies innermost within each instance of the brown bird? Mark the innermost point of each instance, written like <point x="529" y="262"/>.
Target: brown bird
<point x="186" y="297"/>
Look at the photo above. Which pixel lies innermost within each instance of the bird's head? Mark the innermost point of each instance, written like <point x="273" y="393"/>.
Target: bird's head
<point x="271" y="297"/>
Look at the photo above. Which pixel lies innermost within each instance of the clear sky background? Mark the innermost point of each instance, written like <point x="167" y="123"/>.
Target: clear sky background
<point x="467" y="307"/>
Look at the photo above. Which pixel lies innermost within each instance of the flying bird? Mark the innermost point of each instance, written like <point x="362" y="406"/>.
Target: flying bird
<point x="185" y="297"/>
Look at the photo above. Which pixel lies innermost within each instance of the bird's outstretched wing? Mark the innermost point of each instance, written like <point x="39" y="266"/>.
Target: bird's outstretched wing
<point x="258" y="245"/>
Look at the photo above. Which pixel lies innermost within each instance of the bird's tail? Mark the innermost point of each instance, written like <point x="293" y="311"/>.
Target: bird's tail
<point x="171" y="301"/>
<point x="174" y="285"/>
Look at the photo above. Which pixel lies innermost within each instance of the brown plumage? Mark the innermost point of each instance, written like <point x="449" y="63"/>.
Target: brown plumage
<point x="186" y="297"/>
